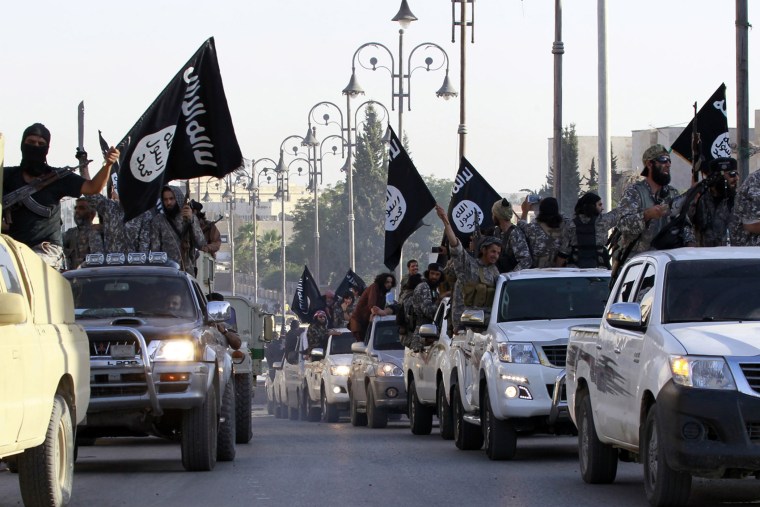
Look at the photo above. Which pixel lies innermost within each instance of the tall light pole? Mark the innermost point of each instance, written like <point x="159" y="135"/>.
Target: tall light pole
<point x="231" y="226"/>
<point x="462" y="24"/>
<point x="558" y="49"/>
<point x="253" y="198"/>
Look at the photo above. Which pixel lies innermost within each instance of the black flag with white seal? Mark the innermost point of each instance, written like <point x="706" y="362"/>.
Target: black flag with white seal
<point x="471" y="201"/>
<point x="350" y="280"/>
<point x="113" y="178"/>
<point x="712" y="125"/>
<point x="407" y="201"/>
<point x="307" y="298"/>
<point x="186" y="133"/>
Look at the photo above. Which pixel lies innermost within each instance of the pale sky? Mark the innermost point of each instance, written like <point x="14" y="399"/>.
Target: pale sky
<point x="279" y="58"/>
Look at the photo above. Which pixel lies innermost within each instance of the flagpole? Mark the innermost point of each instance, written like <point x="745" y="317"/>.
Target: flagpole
<point x="605" y="169"/>
<point x="558" y="49"/>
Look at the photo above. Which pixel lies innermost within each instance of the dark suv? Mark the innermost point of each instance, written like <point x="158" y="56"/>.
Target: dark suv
<point x="158" y="364"/>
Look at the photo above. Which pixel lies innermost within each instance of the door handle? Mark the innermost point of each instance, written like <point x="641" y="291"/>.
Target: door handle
<point x="598" y="347"/>
<point x="617" y="350"/>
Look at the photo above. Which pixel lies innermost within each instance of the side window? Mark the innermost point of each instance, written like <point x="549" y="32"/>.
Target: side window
<point x="647" y="282"/>
<point x="439" y="315"/>
<point x="8" y="269"/>
<point x="201" y="300"/>
<point x="626" y="290"/>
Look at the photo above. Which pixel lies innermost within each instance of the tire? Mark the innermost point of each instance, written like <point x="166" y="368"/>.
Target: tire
<point x="445" y="420"/>
<point x="46" y="472"/>
<point x="598" y="461"/>
<point x="357" y="419"/>
<point x="329" y="410"/>
<point x="199" y="434"/>
<point x="662" y="484"/>
<point x="376" y="417"/>
<point x="499" y="437"/>
<point x="467" y="437"/>
<point x="292" y="413"/>
<point x="270" y="407"/>
<point x="313" y="413"/>
<point x="303" y="405"/>
<point x="420" y="416"/>
<point x="225" y="441"/>
<point x="243" y="408"/>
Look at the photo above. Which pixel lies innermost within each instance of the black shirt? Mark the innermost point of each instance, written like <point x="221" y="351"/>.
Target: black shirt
<point x="30" y="228"/>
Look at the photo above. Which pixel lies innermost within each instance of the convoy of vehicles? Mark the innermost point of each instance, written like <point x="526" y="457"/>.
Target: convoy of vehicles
<point x="671" y="377"/>
<point x="504" y="367"/>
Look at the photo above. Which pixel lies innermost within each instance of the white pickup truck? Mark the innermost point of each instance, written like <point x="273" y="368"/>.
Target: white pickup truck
<point x="426" y="385"/>
<point x="671" y="377"/>
<point x="504" y="368"/>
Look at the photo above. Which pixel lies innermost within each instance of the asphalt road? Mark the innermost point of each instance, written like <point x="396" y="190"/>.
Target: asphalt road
<point x="293" y="463"/>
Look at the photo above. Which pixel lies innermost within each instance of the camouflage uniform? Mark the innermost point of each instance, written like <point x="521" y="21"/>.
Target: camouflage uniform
<point x="514" y="243"/>
<point x="132" y="236"/>
<point x="468" y="269"/>
<point x="163" y="237"/>
<point x="80" y="241"/>
<point x="746" y="211"/>
<point x="712" y="220"/>
<point x="636" y="199"/>
<point x="423" y="301"/>
<point x="544" y="242"/>
<point x="604" y="222"/>
<point x="316" y="336"/>
<point x="339" y="319"/>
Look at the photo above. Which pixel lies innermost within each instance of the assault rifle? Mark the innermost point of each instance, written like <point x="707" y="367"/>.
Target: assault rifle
<point x="37" y="184"/>
<point x="696" y="148"/>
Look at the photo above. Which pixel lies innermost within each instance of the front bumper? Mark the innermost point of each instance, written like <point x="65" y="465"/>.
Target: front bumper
<point x="389" y="393"/>
<point x="709" y="433"/>
<point x="333" y="383"/>
<point x="525" y="390"/>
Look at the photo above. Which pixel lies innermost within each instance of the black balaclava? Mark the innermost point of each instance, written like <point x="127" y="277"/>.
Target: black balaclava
<point x="548" y="212"/>
<point x="33" y="158"/>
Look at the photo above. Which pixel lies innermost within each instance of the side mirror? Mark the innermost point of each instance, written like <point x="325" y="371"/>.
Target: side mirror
<point x="358" y="348"/>
<point x="625" y="315"/>
<point x="12" y="308"/>
<point x="218" y="311"/>
<point x="268" y="327"/>
<point x="429" y="331"/>
<point x="473" y="318"/>
<point x="317" y="354"/>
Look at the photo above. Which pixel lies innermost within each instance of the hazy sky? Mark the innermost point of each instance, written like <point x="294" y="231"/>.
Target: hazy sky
<point x="279" y="58"/>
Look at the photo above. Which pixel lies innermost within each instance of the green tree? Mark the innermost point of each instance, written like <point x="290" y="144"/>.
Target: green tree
<point x="592" y="181"/>
<point x="571" y="179"/>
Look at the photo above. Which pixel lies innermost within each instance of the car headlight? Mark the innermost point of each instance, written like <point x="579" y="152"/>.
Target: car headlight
<point x="701" y="372"/>
<point x="389" y="370"/>
<point x="341" y="370"/>
<point x="521" y="353"/>
<point x="175" y="350"/>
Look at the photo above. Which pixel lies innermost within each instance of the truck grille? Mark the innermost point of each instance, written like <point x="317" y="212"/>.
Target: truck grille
<point x="556" y="354"/>
<point x="103" y="347"/>
<point x="752" y="374"/>
<point x="120" y="384"/>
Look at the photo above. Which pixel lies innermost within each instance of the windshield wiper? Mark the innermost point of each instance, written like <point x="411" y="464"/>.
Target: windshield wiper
<point x="143" y="313"/>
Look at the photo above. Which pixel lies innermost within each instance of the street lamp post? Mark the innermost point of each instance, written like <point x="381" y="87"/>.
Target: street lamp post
<point x="231" y="227"/>
<point x="253" y="197"/>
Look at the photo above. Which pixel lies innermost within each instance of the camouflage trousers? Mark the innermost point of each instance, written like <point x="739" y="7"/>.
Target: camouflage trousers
<point x="413" y="341"/>
<point x="52" y="254"/>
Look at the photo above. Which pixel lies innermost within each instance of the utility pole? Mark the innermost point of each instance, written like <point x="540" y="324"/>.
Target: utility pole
<point x="742" y="90"/>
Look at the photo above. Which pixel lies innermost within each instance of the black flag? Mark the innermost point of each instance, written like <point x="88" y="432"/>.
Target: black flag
<point x="471" y="201"/>
<point x="712" y="125"/>
<point x="350" y="280"/>
<point x="113" y="178"/>
<point x="307" y="298"/>
<point x="407" y="201"/>
<point x="186" y="133"/>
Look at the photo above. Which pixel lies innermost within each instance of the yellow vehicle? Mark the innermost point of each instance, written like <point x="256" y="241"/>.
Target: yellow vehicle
<point x="44" y="374"/>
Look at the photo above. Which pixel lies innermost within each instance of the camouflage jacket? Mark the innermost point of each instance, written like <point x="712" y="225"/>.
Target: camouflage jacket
<point x="515" y="245"/>
<point x="746" y="211"/>
<point x="636" y="199"/>
<point x="80" y="241"/>
<point x="602" y="226"/>
<point x="544" y="242"/>
<point x="468" y="269"/>
<point x="132" y="236"/>
<point x="178" y="237"/>
<point x="316" y="337"/>
<point x="339" y="316"/>
<point x="712" y="220"/>
<point x="424" y="304"/>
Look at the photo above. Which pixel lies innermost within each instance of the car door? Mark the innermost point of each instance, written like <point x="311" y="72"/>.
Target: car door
<point x="610" y="368"/>
<point x="426" y="389"/>
<point x="17" y="346"/>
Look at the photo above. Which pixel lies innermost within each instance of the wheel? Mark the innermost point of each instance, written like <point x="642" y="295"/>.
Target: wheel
<point x="199" y="433"/>
<point x="376" y="417"/>
<point x="277" y="409"/>
<point x="225" y="441"/>
<point x="467" y="436"/>
<point x="420" y="416"/>
<point x="270" y="407"/>
<point x="243" y="402"/>
<point x="293" y="413"/>
<point x="357" y="419"/>
<point x="662" y="484"/>
<point x="445" y="421"/>
<point x="303" y="405"/>
<point x="313" y="413"/>
<point x="598" y="461"/>
<point x="329" y="410"/>
<point x="499" y="437"/>
<point x="46" y="472"/>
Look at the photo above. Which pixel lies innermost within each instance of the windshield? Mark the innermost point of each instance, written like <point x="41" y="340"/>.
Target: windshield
<point x="712" y="290"/>
<point x="101" y="297"/>
<point x="341" y="344"/>
<point x="553" y="298"/>
<point x="386" y="336"/>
